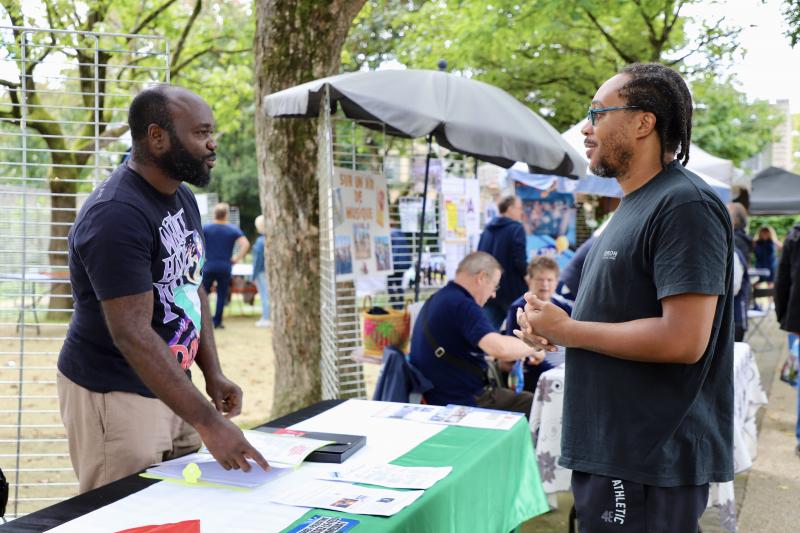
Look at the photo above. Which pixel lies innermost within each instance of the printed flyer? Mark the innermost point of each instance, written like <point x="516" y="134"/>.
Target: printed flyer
<point x="362" y="236"/>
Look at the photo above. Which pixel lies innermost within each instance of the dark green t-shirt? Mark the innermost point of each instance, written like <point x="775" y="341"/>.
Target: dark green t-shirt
<point x="657" y="424"/>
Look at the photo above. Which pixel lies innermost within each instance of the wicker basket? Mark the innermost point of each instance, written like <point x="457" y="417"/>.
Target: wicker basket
<point x="382" y="330"/>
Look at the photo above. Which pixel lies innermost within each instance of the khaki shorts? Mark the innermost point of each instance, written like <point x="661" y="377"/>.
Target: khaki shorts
<point x="115" y="434"/>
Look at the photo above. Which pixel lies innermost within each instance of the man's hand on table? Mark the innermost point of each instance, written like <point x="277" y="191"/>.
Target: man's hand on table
<point x="228" y="445"/>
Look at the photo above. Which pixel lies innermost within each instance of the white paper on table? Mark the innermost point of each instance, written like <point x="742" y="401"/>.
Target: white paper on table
<point x="387" y="438"/>
<point x="212" y="472"/>
<point x="398" y="477"/>
<point x="348" y="498"/>
<point x="490" y="419"/>
<point x="417" y="413"/>
<point x="280" y="449"/>
<point x="252" y="511"/>
<point x="476" y="417"/>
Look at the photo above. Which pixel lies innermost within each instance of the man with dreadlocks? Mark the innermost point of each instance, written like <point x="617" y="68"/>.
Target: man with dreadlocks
<point x="648" y="407"/>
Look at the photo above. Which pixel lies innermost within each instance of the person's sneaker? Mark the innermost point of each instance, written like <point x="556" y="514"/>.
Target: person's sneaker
<point x="219" y="326"/>
<point x="797" y="451"/>
<point x="264" y="324"/>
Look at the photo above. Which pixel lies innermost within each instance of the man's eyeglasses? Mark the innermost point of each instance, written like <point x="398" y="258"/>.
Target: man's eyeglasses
<point x="594" y="111"/>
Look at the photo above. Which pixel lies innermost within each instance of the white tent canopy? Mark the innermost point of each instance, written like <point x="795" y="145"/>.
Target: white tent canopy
<point x="713" y="170"/>
<point x="701" y="162"/>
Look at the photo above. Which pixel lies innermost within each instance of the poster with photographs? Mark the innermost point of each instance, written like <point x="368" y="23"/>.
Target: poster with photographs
<point x="460" y="211"/>
<point x="410" y="208"/>
<point x="363" y="245"/>
<point x="547" y="213"/>
<point x="383" y="254"/>
<point x="344" y="256"/>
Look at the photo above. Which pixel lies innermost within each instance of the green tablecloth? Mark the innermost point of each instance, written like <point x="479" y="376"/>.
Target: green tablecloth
<point x="494" y="485"/>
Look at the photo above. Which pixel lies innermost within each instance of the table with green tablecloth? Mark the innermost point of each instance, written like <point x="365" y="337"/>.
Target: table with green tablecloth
<point x="494" y="485"/>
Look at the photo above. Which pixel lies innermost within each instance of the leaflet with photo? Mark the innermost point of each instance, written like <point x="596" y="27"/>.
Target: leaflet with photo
<point x="348" y="498"/>
<point x="476" y="417"/>
<point x="417" y="413"/>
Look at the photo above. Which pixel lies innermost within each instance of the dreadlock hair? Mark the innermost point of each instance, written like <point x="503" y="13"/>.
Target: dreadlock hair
<point x="660" y="90"/>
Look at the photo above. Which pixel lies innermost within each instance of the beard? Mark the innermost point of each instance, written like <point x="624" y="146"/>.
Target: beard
<point x="616" y="158"/>
<point x="183" y="166"/>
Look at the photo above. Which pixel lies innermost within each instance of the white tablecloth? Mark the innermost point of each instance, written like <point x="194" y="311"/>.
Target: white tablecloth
<point x="548" y="407"/>
<point x="217" y="509"/>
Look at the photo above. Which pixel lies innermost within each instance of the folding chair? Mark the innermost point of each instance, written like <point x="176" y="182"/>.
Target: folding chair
<point x="757" y="315"/>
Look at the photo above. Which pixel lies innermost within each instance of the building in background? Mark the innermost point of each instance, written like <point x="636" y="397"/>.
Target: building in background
<point x="779" y="153"/>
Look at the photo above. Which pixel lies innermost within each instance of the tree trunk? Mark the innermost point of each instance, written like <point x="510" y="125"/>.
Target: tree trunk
<point x="296" y="41"/>
<point x="62" y="215"/>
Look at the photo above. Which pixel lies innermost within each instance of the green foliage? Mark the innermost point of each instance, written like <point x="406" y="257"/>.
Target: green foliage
<point x="791" y="10"/>
<point x="550" y="54"/>
<point x="781" y="223"/>
<point x="726" y="124"/>
<point x="210" y="47"/>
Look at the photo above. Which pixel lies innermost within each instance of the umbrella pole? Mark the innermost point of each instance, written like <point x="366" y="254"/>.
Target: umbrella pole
<point x="421" y="238"/>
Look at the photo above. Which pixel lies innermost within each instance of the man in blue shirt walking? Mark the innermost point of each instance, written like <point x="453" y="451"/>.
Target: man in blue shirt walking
<point x="221" y="237"/>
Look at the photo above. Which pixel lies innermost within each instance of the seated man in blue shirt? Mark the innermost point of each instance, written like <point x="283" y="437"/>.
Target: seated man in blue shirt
<point x="542" y="278"/>
<point x="452" y="334"/>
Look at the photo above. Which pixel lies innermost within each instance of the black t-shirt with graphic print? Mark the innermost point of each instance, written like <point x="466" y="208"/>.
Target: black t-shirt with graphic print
<point x="656" y="424"/>
<point x="128" y="239"/>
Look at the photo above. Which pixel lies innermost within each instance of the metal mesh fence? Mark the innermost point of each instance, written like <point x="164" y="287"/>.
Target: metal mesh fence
<point x="63" y="111"/>
<point x="366" y="146"/>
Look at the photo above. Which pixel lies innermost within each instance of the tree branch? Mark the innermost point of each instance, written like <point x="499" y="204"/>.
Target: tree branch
<point x="149" y="18"/>
<point x="175" y="71"/>
<point x="708" y="38"/>
<point x="608" y="37"/>
<point x="186" y="29"/>
<point x="106" y="138"/>
<point x="647" y="22"/>
<point x="668" y="26"/>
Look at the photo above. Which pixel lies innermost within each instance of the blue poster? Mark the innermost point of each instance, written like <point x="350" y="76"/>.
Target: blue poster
<point x="547" y="213"/>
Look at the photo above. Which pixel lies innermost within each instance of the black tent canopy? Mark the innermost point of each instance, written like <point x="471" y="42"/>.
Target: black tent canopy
<point x="775" y="191"/>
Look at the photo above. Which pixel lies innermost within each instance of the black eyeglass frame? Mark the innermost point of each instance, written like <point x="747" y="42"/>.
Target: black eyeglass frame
<point x="591" y="116"/>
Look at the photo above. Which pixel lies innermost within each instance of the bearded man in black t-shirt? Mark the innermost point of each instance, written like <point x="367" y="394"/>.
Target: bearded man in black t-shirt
<point x="648" y="406"/>
<point x="136" y="255"/>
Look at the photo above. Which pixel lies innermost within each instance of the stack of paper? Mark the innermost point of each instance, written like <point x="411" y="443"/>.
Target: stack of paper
<point x="211" y="472"/>
<point x="282" y="452"/>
